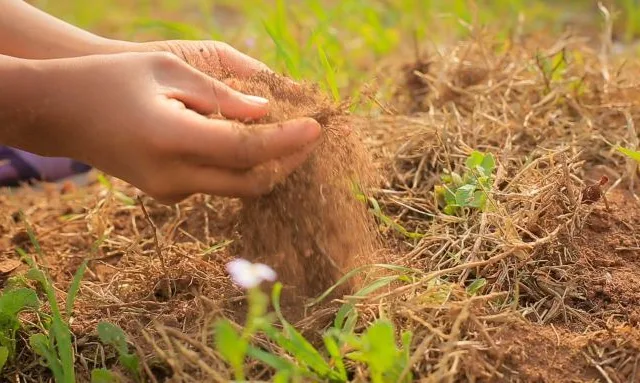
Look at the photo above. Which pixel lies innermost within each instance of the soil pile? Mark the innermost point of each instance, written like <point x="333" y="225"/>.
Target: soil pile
<point x="314" y="225"/>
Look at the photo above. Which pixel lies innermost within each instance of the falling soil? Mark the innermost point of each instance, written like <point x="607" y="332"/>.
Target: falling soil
<point x="312" y="226"/>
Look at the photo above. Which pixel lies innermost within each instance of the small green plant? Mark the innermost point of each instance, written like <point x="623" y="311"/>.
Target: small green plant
<point x="469" y="190"/>
<point x="13" y="301"/>
<point x="54" y="343"/>
<point x="102" y="375"/>
<point x="112" y="335"/>
<point x="376" y="348"/>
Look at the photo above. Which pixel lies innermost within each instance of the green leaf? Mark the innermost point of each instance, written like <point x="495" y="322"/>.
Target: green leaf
<point x="229" y="343"/>
<point x="464" y="195"/>
<point x="37" y="276"/>
<point x="633" y="154"/>
<point x="474" y="160"/>
<point x="346" y="308"/>
<point x="112" y="335"/>
<point x="4" y="355"/>
<point x="358" y="356"/>
<point x="479" y="199"/>
<point x="271" y="360"/>
<point x="353" y="272"/>
<point x="130" y="362"/>
<point x="74" y="288"/>
<point x="62" y="335"/>
<point x="297" y="344"/>
<point x="334" y="352"/>
<point x="40" y="345"/>
<point x="350" y="323"/>
<point x="456" y="179"/>
<point x="407" y="336"/>
<point x="102" y="375"/>
<point x="34" y="241"/>
<point x="217" y="247"/>
<point x="488" y="164"/>
<point x="449" y="197"/>
<point x="14" y="301"/>
<point x="282" y="376"/>
<point x="329" y="73"/>
<point x="104" y="181"/>
<point x="380" y="348"/>
<point x="476" y="285"/>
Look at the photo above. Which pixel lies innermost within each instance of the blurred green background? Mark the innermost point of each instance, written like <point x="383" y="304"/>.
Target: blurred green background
<point x="337" y="43"/>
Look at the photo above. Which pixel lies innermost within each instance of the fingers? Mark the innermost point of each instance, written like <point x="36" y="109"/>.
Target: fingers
<point x="207" y="95"/>
<point x="228" y="183"/>
<point x="233" y="145"/>
<point x="240" y="64"/>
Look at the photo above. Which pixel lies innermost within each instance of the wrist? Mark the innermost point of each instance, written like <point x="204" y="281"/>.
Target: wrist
<point x="36" y="104"/>
<point x="103" y="45"/>
<point x="19" y="80"/>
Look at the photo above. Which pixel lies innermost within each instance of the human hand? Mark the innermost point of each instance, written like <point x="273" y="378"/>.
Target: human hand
<point x="141" y="117"/>
<point x="214" y="58"/>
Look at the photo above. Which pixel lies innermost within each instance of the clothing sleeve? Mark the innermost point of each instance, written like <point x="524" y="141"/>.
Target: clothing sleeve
<point x="18" y="167"/>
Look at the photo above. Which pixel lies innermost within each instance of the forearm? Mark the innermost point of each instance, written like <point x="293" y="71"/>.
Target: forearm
<point x="17" y="88"/>
<point x="28" y="32"/>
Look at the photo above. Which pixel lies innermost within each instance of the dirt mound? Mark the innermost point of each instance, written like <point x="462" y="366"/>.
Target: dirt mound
<point x="528" y="349"/>
<point x="312" y="227"/>
<point x="608" y="263"/>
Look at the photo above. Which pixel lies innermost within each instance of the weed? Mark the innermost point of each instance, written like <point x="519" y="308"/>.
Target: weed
<point x="13" y="301"/>
<point x="469" y="190"/>
<point x="115" y="337"/>
<point x="376" y="347"/>
<point x="54" y="342"/>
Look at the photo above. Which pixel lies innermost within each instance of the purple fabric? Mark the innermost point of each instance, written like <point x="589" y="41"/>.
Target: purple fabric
<point x="18" y="166"/>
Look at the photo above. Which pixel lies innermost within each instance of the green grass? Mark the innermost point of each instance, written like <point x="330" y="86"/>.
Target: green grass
<point x="51" y="338"/>
<point x="377" y="348"/>
<point x="333" y="43"/>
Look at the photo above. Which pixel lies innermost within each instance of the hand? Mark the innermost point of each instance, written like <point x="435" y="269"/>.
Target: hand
<point x="210" y="57"/>
<point x="139" y="117"/>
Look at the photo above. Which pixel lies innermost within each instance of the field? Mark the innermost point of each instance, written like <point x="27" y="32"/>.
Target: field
<point x="471" y="216"/>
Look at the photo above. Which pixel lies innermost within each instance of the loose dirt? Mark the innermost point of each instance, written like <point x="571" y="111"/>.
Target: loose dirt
<point x="312" y="228"/>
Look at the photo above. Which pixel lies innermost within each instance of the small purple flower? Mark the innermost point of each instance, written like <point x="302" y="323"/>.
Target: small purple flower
<point x="249" y="275"/>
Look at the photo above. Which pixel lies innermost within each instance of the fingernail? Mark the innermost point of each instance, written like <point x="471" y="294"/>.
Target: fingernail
<point x="257" y="100"/>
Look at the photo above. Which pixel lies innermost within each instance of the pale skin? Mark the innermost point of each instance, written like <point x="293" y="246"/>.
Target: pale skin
<point x="137" y="111"/>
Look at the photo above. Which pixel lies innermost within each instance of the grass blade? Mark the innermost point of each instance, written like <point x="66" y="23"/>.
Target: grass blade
<point x="4" y="355"/>
<point x="299" y="346"/>
<point x="74" y="288"/>
<point x="346" y="308"/>
<point x="350" y="274"/>
<point x="62" y="335"/>
<point x="40" y="345"/>
<point x="633" y="154"/>
<point x="330" y="75"/>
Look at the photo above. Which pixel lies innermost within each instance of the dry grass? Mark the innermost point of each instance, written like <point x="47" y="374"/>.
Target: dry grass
<point x="551" y="134"/>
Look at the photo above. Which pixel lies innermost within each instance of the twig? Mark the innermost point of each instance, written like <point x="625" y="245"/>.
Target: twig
<point x="155" y="235"/>
<point x="597" y="366"/>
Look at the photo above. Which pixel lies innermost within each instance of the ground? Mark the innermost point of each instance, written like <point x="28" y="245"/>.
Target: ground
<point x="534" y="286"/>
